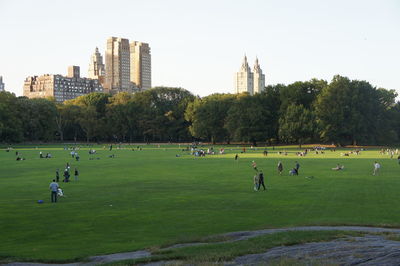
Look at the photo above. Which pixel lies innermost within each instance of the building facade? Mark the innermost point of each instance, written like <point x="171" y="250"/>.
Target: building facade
<point x="140" y="65"/>
<point x="96" y="67"/>
<point x="248" y="81"/>
<point x="2" y="86"/>
<point x="60" y="87"/>
<point x="258" y="78"/>
<point x="117" y="65"/>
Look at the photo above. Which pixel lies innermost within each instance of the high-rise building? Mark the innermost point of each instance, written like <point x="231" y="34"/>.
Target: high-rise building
<point x="247" y="81"/>
<point x="258" y="78"/>
<point x="96" y="67"/>
<point x="140" y="64"/>
<point x="2" y="84"/>
<point x="244" y="78"/>
<point x="60" y="87"/>
<point x="74" y="72"/>
<point x="117" y="65"/>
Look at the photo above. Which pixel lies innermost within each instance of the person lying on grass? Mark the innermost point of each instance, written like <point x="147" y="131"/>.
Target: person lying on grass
<point x="338" y="167"/>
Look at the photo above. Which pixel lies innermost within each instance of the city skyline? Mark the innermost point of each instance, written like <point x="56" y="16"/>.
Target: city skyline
<point x="197" y="46"/>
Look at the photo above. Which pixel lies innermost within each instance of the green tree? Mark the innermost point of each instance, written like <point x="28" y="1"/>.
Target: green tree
<point x="249" y="119"/>
<point x="297" y="125"/>
<point x="10" y="125"/>
<point x="207" y="117"/>
<point x="348" y="111"/>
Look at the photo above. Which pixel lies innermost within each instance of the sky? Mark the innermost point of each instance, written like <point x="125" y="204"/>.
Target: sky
<point x="199" y="45"/>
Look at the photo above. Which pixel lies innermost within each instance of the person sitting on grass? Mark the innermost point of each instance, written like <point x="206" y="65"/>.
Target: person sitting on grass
<point x="338" y="167"/>
<point x="293" y="172"/>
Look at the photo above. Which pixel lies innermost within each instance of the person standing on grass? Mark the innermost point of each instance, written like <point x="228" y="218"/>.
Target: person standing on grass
<point x="254" y="165"/>
<point x="297" y="167"/>
<point x="255" y="181"/>
<point x="261" y="180"/>
<point x="237" y="157"/>
<point x="280" y="167"/>
<point x="377" y="166"/>
<point x="54" y="189"/>
<point x="76" y="174"/>
<point x="66" y="176"/>
<point x="398" y="159"/>
<point x="57" y="175"/>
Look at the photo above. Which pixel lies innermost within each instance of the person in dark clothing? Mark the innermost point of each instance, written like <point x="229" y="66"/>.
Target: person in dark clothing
<point x="57" y="175"/>
<point x="66" y="176"/>
<point x="261" y="180"/>
<point x="236" y="157"/>
<point x="280" y="167"/>
<point x="297" y="167"/>
<point x="76" y="174"/>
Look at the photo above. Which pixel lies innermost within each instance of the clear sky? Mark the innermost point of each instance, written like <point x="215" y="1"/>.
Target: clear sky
<point x="199" y="45"/>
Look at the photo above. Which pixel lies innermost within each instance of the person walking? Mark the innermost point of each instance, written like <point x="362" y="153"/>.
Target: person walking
<point x="53" y="188"/>
<point x="261" y="180"/>
<point x="76" y="174"/>
<point x="280" y="167"/>
<point x="377" y="166"/>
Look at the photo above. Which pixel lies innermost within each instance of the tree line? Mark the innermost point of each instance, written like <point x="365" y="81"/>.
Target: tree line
<point x="343" y="111"/>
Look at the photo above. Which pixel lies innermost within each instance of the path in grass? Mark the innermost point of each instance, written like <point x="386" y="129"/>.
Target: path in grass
<point x="374" y="249"/>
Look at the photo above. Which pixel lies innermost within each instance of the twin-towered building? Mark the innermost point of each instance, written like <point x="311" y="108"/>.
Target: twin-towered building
<point x="248" y="81"/>
<point x="127" y="68"/>
<point x="128" y="65"/>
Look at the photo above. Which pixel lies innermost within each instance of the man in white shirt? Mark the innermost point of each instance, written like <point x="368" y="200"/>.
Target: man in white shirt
<point x="377" y="166"/>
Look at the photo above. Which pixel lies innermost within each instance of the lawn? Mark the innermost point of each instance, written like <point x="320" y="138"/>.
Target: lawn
<point x="146" y="198"/>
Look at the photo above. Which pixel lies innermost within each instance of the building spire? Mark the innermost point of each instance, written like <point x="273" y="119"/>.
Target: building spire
<point x="245" y="66"/>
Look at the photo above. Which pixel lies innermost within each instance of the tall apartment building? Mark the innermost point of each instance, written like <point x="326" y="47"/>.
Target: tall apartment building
<point x="247" y="81"/>
<point x="244" y="78"/>
<point x="96" y="67"/>
<point x="140" y="65"/>
<point x="117" y="65"/>
<point x="2" y="84"/>
<point x="60" y="87"/>
<point x="258" y="78"/>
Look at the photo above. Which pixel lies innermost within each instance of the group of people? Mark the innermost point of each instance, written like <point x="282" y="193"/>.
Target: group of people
<point x="48" y="155"/>
<point x="258" y="179"/>
<point x="55" y="188"/>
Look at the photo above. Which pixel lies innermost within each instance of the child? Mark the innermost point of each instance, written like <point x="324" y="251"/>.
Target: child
<point x="255" y="179"/>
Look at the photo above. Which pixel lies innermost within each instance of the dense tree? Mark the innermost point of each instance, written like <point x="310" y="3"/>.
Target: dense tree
<point x="348" y="111"/>
<point x="301" y="93"/>
<point x="10" y="124"/>
<point x="297" y="125"/>
<point x="249" y="119"/>
<point x="344" y="111"/>
<point x="207" y="117"/>
<point x="36" y="116"/>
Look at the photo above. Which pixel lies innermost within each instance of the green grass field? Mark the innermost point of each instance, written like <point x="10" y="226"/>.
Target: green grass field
<point x="147" y="198"/>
